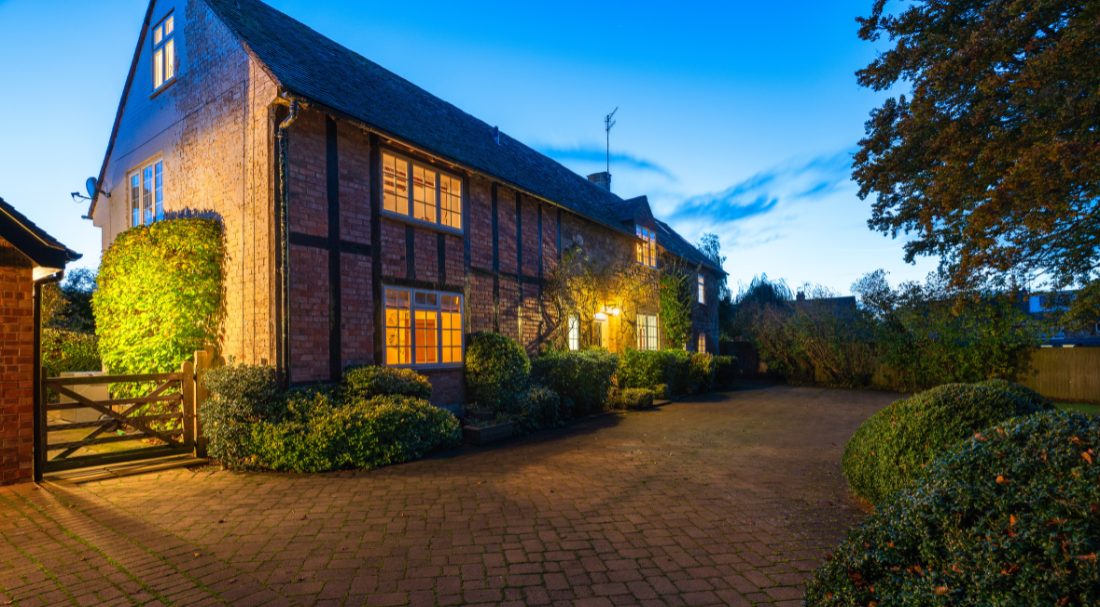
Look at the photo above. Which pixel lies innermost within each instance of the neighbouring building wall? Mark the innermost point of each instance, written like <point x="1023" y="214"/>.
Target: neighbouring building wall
<point x="213" y="130"/>
<point x="16" y="366"/>
<point x="704" y="317"/>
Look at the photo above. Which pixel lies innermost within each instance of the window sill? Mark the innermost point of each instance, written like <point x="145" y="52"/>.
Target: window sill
<point x="164" y="87"/>
<point x="420" y="223"/>
<point x="430" y="367"/>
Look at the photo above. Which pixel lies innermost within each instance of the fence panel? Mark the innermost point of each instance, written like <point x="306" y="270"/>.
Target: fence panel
<point x="1069" y="374"/>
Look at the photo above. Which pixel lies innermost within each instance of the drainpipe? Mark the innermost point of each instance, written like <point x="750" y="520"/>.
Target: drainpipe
<point x="36" y="391"/>
<point x="283" y="226"/>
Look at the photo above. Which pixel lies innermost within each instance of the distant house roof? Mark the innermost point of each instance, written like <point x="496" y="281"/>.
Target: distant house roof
<point x="41" y="248"/>
<point x="308" y="64"/>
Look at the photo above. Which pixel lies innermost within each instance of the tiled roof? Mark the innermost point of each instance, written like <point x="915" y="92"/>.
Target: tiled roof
<point x="676" y="245"/>
<point x="43" y="249"/>
<point x="309" y="65"/>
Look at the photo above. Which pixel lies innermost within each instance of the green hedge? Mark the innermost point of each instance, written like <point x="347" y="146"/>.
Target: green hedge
<point x="539" y="408"/>
<point x="497" y="371"/>
<point x="631" y="399"/>
<point x="367" y="381"/>
<point x="64" y="350"/>
<point x="1009" y="517"/>
<point x="251" y="423"/>
<point x="160" y="295"/>
<point x="681" y="371"/>
<point x="892" y="448"/>
<point x="365" y="434"/>
<point x="582" y="378"/>
<point x="726" y="372"/>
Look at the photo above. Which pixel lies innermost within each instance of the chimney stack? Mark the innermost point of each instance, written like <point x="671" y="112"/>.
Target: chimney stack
<point x="602" y="179"/>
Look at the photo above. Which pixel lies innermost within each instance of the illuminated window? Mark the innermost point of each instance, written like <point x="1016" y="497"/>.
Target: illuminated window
<point x="433" y="196"/>
<point x="423" y="327"/>
<point x="702" y="347"/>
<point x="573" y="332"/>
<point x="147" y="194"/>
<point x="702" y="282"/>
<point x="647" y="332"/>
<point x="164" y="52"/>
<point x="645" y="250"/>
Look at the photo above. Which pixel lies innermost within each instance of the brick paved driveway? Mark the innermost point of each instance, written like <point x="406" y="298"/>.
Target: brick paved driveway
<point x="727" y="501"/>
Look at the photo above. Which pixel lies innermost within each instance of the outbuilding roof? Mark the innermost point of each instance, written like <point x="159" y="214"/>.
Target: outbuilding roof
<point x="41" y="248"/>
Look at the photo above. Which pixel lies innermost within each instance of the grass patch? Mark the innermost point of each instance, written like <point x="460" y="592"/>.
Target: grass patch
<point x="1090" y="409"/>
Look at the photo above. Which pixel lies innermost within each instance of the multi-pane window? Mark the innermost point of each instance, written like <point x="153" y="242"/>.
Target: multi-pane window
<point x="702" y="346"/>
<point x="432" y="196"/>
<point x="645" y="249"/>
<point x="701" y="281"/>
<point x="423" y="327"/>
<point x="573" y="332"/>
<point x="164" y="52"/>
<point x="147" y="194"/>
<point x="647" y="332"/>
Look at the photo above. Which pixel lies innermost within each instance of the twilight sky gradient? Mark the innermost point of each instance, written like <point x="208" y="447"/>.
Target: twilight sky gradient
<point x="738" y="118"/>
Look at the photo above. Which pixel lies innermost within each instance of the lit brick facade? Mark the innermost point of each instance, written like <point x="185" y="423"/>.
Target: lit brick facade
<point x="221" y="154"/>
<point x="16" y="366"/>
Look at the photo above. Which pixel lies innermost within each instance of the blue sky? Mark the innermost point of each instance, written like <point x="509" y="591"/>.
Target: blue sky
<point x="736" y="117"/>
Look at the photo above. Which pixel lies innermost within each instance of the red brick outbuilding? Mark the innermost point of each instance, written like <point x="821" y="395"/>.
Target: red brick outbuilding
<point x="29" y="258"/>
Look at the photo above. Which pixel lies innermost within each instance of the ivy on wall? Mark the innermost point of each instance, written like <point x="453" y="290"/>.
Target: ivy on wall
<point x="161" y="295"/>
<point x="676" y="294"/>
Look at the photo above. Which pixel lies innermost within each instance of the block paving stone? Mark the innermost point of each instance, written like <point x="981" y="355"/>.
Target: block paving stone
<point x="731" y="499"/>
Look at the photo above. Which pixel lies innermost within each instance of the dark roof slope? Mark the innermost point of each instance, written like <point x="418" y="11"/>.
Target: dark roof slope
<point x="676" y="245"/>
<point x="312" y="66"/>
<point x="43" y="249"/>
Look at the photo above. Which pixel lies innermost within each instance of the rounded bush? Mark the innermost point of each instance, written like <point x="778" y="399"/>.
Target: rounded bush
<point x="160" y="295"/>
<point x="893" y="447"/>
<point x="632" y="398"/>
<point x="370" y="381"/>
<point x="540" y="408"/>
<point x="1021" y="392"/>
<point x="240" y="396"/>
<point x="497" y="371"/>
<point x="582" y="378"/>
<point x="1009" y="517"/>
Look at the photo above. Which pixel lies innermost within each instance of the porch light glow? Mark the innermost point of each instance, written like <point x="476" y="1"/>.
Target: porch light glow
<point x="600" y="316"/>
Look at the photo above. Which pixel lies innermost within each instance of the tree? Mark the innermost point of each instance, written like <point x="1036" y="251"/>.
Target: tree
<point x="992" y="159"/>
<point x="711" y="247"/>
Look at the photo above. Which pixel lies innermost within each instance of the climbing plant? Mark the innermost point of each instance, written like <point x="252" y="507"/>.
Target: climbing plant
<point x="676" y="293"/>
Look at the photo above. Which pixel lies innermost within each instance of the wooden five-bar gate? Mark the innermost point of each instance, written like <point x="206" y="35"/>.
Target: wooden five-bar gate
<point x="96" y="420"/>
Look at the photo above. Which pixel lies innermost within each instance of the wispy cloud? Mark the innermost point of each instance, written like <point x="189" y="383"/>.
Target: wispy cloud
<point x="769" y="190"/>
<point x="597" y="154"/>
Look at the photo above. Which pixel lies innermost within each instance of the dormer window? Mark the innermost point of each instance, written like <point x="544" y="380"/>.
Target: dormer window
<point x="164" y="52"/>
<point x="645" y="250"/>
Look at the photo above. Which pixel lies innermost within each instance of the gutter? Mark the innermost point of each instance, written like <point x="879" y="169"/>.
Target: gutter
<point x="282" y="222"/>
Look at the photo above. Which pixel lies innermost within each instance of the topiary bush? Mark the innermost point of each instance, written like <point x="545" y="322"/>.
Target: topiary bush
<point x="160" y="295"/>
<point x="701" y="369"/>
<point x="540" y="408"/>
<point x="582" y="378"/>
<point x="893" y="447"/>
<point x="1009" y="517"/>
<point x="1021" y="392"/>
<point x="367" y="434"/>
<point x="370" y="380"/>
<point x="631" y="399"/>
<point x="240" y="396"/>
<point x="497" y="371"/>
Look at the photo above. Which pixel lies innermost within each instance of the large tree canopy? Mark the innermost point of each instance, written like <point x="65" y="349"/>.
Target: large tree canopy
<point x="991" y="159"/>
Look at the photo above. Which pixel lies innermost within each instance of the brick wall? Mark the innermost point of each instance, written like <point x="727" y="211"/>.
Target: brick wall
<point x="16" y="366"/>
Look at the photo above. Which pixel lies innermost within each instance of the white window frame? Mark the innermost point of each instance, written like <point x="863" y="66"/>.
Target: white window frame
<point x="645" y="249"/>
<point x="165" y="65"/>
<point x="411" y="190"/>
<point x="414" y="307"/>
<point x="701" y="281"/>
<point x="648" y="333"/>
<point x="573" y="332"/>
<point x="136" y="190"/>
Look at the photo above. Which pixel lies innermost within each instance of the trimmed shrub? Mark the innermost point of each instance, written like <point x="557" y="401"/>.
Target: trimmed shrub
<point x="631" y="398"/>
<point x="701" y="369"/>
<point x="650" y="368"/>
<point x="1009" y="517"/>
<point x="64" y="350"/>
<point x="160" y="295"/>
<point x="371" y="380"/>
<point x="540" y="408"/>
<point x="582" y="378"/>
<point x="240" y="396"/>
<point x="725" y="372"/>
<point x="893" y="447"/>
<point x="497" y="371"/>
<point x="1021" y="392"/>
<point x="366" y="434"/>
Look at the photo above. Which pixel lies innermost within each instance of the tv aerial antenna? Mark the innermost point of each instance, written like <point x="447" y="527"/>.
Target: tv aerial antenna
<point x="609" y="122"/>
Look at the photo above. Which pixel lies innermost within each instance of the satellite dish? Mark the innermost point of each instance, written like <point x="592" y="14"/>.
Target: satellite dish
<point x="92" y="186"/>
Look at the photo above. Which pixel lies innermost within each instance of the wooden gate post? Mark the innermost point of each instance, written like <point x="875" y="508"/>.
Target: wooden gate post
<point x="190" y="410"/>
<point x="204" y="361"/>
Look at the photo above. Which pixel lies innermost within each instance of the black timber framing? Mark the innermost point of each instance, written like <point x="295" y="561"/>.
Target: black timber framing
<point x="332" y="186"/>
